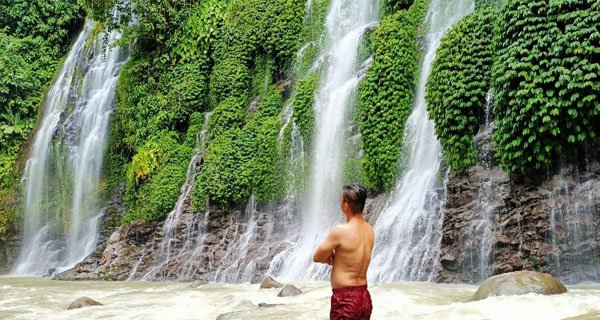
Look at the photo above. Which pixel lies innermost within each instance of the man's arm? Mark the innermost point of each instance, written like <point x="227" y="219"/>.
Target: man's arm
<point x="325" y="251"/>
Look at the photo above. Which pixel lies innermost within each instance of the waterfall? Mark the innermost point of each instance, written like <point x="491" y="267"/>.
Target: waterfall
<point x="236" y="265"/>
<point x="477" y="244"/>
<point x="345" y="24"/>
<point x="574" y="231"/>
<point x="181" y="223"/>
<point x="408" y="231"/>
<point x="486" y="196"/>
<point x="61" y="178"/>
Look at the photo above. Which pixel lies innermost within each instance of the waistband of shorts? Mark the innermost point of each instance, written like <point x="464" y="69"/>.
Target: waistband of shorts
<point x="349" y="289"/>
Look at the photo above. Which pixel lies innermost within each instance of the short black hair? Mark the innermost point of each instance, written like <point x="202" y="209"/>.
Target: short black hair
<point x="355" y="196"/>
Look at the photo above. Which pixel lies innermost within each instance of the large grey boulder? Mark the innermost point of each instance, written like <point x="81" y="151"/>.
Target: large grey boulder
<point x="268" y="283"/>
<point x="289" y="291"/>
<point x="517" y="283"/>
<point x="83" y="302"/>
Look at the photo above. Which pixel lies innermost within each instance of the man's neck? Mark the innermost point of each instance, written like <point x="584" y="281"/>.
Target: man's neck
<point x="354" y="217"/>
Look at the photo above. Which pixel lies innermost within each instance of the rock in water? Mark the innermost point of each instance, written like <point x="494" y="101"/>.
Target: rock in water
<point x="269" y="305"/>
<point x="289" y="291"/>
<point x="268" y="283"/>
<point x="519" y="282"/>
<point x="197" y="283"/>
<point x="83" y="302"/>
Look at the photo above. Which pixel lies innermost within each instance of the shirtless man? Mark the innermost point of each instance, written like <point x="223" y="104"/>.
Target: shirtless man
<point x="348" y="249"/>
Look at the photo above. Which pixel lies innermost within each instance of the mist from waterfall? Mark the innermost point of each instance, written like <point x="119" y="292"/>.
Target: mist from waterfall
<point x="62" y="176"/>
<point x="408" y="231"/>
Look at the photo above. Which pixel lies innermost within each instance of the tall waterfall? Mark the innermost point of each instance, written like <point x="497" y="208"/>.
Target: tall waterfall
<point x="408" y="231"/>
<point x="62" y="175"/>
<point x="345" y="24"/>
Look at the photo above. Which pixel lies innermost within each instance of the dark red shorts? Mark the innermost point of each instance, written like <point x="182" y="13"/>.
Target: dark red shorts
<point x="350" y="303"/>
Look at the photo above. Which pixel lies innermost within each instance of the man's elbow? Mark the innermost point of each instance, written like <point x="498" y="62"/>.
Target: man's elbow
<point x="317" y="259"/>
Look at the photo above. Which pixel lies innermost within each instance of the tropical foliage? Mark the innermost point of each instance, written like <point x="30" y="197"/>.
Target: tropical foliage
<point x="457" y="86"/>
<point x="546" y="80"/>
<point x="242" y="62"/>
<point x="387" y="93"/>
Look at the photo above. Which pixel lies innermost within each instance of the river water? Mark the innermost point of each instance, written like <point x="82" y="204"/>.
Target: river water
<point x="38" y="298"/>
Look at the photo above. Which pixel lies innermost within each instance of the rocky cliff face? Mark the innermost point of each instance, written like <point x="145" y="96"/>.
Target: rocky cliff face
<point x="494" y="225"/>
<point x="9" y="251"/>
<point x="233" y="245"/>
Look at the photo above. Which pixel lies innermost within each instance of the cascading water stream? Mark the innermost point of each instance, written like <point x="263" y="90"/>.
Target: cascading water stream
<point x="181" y="222"/>
<point x="486" y="197"/>
<point x="61" y="177"/>
<point x="408" y="231"/>
<point x="345" y="24"/>
<point x="478" y="240"/>
<point x="573" y="231"/>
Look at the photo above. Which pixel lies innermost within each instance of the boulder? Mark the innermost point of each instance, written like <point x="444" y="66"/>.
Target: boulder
<point x="289" y="291"/>
<point x="83" y="302"/>
<point x="517" y="283"/>
<point x="268" y="283"/>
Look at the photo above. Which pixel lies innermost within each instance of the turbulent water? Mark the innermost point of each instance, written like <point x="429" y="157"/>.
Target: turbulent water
<point x="408" y="231"/>
<point x="61" y="177"/>
<point x="24" y="298"/>
<point x="345" y="25"/>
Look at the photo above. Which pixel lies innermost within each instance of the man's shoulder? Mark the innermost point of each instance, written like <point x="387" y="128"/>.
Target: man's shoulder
<point x="339" y="229"/>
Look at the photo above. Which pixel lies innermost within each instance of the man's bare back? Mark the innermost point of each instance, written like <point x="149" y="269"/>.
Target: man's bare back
<point x="348" y="249"/>
<point x="353" y="254"/>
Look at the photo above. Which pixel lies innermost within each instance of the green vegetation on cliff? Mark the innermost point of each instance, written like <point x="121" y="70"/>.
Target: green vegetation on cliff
<point x="34" y="36"/>
<point x="259" y="38"/>
<point x="192" y="57"/>
<point x="457" y="86"/>
<point x="242" y="61"/>
<point x="162" y="89"/>
<point x="387" y="94"/>
<point x="544" y="75"/>
<point x="546" y="80"/>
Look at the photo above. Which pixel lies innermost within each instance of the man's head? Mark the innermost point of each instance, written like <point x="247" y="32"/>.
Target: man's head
<point x="353" y="198"/>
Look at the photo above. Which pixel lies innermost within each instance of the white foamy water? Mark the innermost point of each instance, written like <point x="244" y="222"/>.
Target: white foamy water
<point x="34" y="298"/>
<point x="61" y="177"/>
<point x="408" y="231"/>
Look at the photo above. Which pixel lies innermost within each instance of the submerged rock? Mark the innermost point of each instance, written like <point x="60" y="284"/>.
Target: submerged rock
<point x="289" y="291"/>
<point x="269" y="305"/>
<point x="83" y="302"/>
<point x="197" y="283"/>
<point x="268" y="283"/>
<point x="517" y="283"/>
